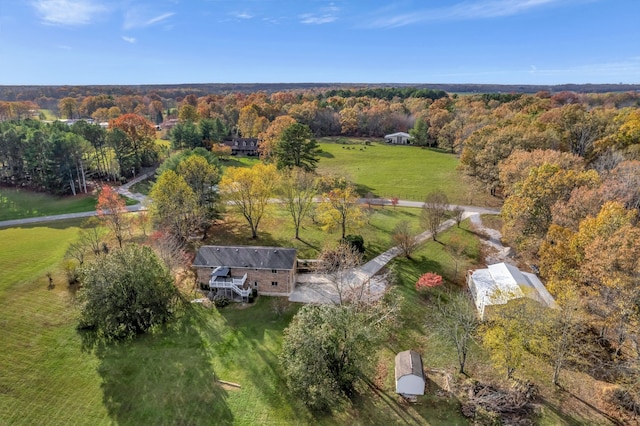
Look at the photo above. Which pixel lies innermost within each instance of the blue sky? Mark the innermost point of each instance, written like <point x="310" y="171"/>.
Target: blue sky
<point x="350" y="41"/>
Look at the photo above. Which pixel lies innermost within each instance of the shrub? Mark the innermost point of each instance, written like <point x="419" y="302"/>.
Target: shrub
<point x="221" y="301"/>
<point x="428" y="280"/>
<point x="355" y="241"/>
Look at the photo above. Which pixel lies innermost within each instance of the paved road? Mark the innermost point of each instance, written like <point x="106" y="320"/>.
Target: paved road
<point x="143" y="201"/>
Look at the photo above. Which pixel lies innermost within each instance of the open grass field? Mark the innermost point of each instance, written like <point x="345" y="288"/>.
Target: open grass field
<point x="167" y="378"/>
<point x="171" y="377"/>
<point x="406" y="172"/>
<point x="18" y="204"/>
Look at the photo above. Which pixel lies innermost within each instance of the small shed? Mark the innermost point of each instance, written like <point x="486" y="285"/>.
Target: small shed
<point x="399" y="138"/>
<point x="410" y="378"/>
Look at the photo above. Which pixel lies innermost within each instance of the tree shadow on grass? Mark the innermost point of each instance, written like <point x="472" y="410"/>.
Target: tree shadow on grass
<point x="557" y="411"/>
<point x="325" y="154"/>
<point x="378" y="406"/>
<point x="164" y="378"/>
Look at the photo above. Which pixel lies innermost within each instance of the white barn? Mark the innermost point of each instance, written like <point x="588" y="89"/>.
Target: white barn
<point x="410" y="379"/>
<point x="399" y="138"/>
<point x="502" y="282"/>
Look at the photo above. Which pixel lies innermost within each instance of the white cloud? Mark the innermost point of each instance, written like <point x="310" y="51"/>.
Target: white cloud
<point x="467" y="10"/>
<point x="138" y="18"/>
<point x="309" y="18"/>
<point x="129" y="39"/>
<point x="326" y="15"/>
<point x="158" y="19"/>
<point x="242" y="15"/>
<point x="63" y="47"/>
<point x="69" y="12"/>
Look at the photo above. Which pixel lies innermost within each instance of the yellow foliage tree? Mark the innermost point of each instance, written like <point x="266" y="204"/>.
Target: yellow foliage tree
<point x="339" y="209"/>
<point x="248" y="191"/>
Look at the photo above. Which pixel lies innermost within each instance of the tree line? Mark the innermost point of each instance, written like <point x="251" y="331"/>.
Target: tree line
<point x="62" y="159"/>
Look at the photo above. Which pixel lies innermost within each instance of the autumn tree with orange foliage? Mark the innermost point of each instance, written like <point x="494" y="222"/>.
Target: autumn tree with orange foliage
<point x="270" y="137"/>
<point x="141" y="133"/>
<point x="111" y="210"/>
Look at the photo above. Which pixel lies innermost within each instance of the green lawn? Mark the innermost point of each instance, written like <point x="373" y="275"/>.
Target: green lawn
<point x="170" y="377"/>
<point x="20" y="203"/>
<point x="406" y="172"/>
<point x="167" y="378"/>
<point x="276" y="229"/>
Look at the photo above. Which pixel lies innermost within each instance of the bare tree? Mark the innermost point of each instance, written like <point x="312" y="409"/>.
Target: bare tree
<point x="457" y="321"/>
<point x="458" y="214"/>
<point x="77" y="251"/>
<point x="90" y="234"/>
<point x="404" y="237"/>
<point x="434" y="212"/>
<point x="170" y="249"/>
<point x="338" y="264"/>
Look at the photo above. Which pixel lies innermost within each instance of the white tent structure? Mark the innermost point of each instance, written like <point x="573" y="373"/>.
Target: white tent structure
<point x="399" y="138"/>
<point x="502" y="282"/>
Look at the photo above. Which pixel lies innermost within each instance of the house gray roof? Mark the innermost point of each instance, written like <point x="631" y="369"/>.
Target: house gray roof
<point x="409" y="362"/>
<point x="246" y="257"/>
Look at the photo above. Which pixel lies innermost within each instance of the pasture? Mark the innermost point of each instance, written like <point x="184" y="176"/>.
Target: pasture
<point x="406" y="172"/>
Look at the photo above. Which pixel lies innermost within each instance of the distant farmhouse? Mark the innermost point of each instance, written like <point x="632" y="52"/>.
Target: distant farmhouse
<point x="237" y="270"/>
<point x="399" y="138"/>
<point x="243" y="146"/>
<point x="501" y="282"/>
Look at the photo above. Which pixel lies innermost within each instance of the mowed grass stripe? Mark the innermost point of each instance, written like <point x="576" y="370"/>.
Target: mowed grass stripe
<point x="47" y="377"/>
<point x="26" y="253"/>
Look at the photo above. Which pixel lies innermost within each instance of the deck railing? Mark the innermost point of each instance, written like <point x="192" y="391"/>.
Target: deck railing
<point x="234" y="284"/>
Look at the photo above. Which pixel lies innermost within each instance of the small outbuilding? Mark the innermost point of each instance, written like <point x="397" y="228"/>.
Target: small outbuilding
<point x="410" y="380"/>
<point x="399" y="138"/>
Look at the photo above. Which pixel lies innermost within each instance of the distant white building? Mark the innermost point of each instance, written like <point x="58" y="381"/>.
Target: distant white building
<point x="501" y="282"/>
<point x="399" y="138"/>
<point x="410" y="379"/>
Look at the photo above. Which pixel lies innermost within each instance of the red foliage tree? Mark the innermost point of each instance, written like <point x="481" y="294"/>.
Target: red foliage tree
<point x="111" y="209"/>
<point x="428" y="280"/>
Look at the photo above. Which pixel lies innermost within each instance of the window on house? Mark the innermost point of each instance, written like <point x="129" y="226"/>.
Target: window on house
<point x="236" y="143"/>
<point x="275" y="271"/>
<point x="274" y="283"/>
<point x="255" y="283"/>
<point x="244" y="143"/>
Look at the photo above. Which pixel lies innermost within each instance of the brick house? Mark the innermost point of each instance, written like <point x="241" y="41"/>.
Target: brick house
<point x="240" y="269"/>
